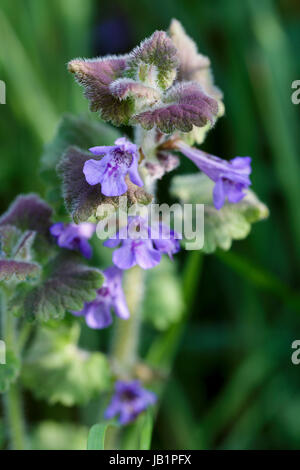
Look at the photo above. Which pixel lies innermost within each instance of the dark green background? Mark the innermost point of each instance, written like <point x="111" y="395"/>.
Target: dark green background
<point x="233" y="384"/>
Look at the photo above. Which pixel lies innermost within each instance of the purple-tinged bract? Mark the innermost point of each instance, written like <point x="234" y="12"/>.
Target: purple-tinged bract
<point x="184" y="105"/>
<point x="95" y="75"/>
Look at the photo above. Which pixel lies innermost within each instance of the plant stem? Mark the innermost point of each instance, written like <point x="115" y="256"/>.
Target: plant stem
<point x="126" y="339"/>
<point x="14" y="417"/>
<point x="12" y="400"/>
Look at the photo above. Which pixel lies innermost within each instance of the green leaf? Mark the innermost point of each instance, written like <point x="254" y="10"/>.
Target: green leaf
<point x="68" y="284"/>
<point x="9" y="371"/>
<point x="146" y="428"/>
<point x="232" y="222"/>
<point x="9" y="237"/>
<point x="163" y="303"/>
<point x="57" y="370"/>
<point x="15" y="255"/>
<point x="50" y="435"/>
<point x="97" y="436"/>
<point x="138" y="434"/>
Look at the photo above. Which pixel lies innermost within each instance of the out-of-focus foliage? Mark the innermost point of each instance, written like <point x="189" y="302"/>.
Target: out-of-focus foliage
<point x="9" y="371"/>
<point x="50" y="435"/>
<point x="163" y="304"/>
<point x="56" y="370"/>
<point x="231" y="222"/>
<point x="233" y="384"/>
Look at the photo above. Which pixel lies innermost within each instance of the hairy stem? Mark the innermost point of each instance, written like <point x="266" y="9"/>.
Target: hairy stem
<point x="12" y="400"/>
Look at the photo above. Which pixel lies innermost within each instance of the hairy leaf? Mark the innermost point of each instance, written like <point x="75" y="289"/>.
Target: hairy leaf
<point x="23" y="247"/>
<point x="154" y="62"/>
<point x="15" y="255"/>
<point x="57" y="370"/>
<point x="67" y="286"/>
<point x="82" y="200"/>
<point x="184" y="105"/>
<point x="18" y="270"/>
<point x="196" y="67"/>
<point x="193" y="65"/>
<point x="232" y="222"/>
<point x="191" y="61"/>
<point x="29" y="212"/>
<point x="95" y="75"/>
<point x="9" y="237"/>
<point x="125" y="87"/>
<point x="16" y="244"/>
<point x="9" y="371"/>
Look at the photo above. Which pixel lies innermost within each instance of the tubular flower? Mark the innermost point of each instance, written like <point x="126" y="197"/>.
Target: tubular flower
<point x="74" y="237"/>
<point x="231" y="177"/>
<point x="118" y="161"/>
<point x="110" y="296"/>
<point x="142" y="245"/>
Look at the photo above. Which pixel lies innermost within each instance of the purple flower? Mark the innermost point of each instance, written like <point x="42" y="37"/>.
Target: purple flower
<point x="118" y="161"/>
<point x="142" y="245"/>
<point x="110" y="296"/>
<point x="231" y="177"/>
<point x="129" y="400"/>
<point x="166" y="241"/>
<point x="74" y="237"/>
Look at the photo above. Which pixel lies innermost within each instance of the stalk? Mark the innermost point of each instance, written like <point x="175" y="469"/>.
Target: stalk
<point x="126" y="339"/>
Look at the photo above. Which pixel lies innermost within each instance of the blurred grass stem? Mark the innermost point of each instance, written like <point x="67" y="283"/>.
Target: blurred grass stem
<point x="12" y="400"/>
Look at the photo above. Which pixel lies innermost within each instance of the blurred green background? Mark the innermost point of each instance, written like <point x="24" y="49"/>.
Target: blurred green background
<point x="233" y="385"/>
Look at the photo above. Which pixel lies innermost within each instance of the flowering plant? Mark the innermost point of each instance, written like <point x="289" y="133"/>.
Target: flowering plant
<point x="164" y="89"/>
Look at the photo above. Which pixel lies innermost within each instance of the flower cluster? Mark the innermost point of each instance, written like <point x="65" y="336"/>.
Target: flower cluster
<point x="164" y="88"/>
<point x="142" y="245"/>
